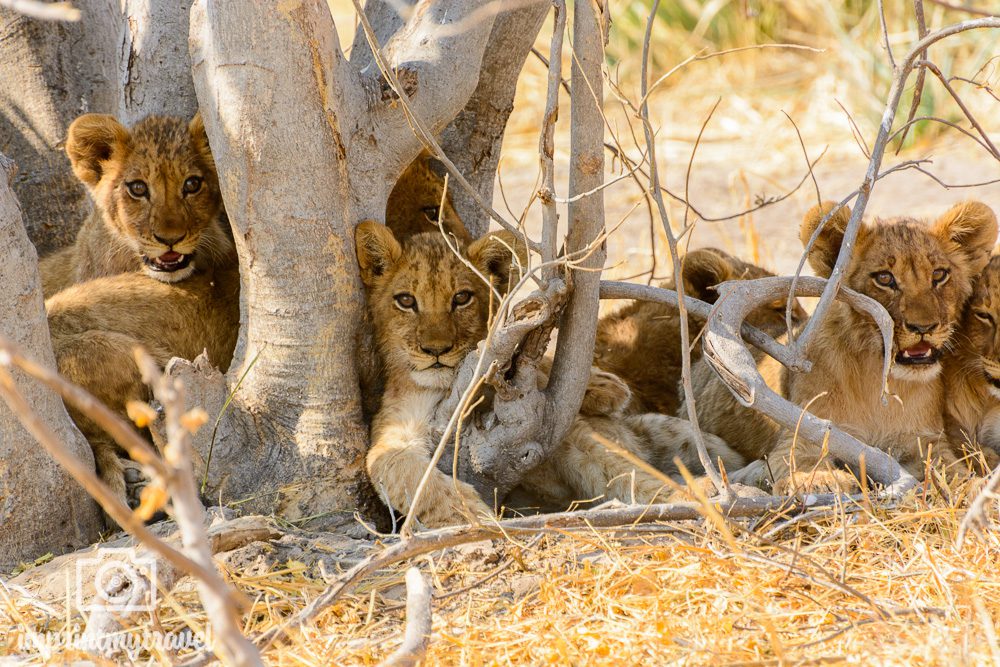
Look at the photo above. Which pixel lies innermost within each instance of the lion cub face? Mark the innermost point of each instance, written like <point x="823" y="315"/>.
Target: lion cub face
<point x="979" y="337"/>
<point x="155" y="184"/>
<point x="428" y="306"/>
<point x="922" y="275"/>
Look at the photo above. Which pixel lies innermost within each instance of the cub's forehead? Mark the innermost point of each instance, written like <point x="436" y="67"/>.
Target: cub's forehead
<point x="902" y="241"/>
<point x="162" y="138"/>
<point x="428" y="262"/>
<point x="987" y="288"/>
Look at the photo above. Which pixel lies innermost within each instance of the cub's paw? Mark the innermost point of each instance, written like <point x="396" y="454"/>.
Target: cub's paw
<point x="606" y="394"/>
<point x="464" y="507"/>
<point x="135" y="481"/>
<point x="817" y="481"/>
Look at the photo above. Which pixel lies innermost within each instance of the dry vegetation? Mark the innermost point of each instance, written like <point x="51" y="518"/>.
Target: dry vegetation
<point x="860" y="583"/>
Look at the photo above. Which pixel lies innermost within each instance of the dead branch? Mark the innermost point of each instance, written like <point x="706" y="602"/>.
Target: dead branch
<point x="588" y="520"/>
<point x="675" y="261"/>
<point x="88" y="479"/>
<point x="918" y="86"/>
<point x="546" y="142"/>
<point x="729" y="357"/>
<point x="220" y="606"/>
<point x="958" y="7"/>
<point x="419" y="619"/>
<point x="975" y="519"/>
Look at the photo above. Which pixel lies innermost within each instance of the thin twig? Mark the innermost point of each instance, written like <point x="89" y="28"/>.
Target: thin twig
<point x="419" y="619"/>
<point x="706" y="460"/>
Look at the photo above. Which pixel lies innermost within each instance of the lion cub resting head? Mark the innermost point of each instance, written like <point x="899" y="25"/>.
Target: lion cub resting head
<point x="972" y="372"/>
<point x="430" y="308"/>
<point x="156" y="202"/>
<point x="643" y="331"/>
<point x="922" y="275"/>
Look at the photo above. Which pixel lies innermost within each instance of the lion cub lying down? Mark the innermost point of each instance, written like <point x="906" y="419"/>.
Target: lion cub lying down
<point x="642" y="332"/>
<point x="429" y="310"/>
<point x="972" y="373"/>
<point x="923" y="276"/>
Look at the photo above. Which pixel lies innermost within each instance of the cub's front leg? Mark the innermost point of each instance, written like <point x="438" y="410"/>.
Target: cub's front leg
<point x="400" y="453"/>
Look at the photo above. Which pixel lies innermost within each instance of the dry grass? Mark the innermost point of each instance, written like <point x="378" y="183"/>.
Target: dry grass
<point x="878" y="587"/>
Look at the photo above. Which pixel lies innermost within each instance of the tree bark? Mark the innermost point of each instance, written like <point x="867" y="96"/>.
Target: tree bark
<point x="41" y="508"/>
<point x="154" y="68"/>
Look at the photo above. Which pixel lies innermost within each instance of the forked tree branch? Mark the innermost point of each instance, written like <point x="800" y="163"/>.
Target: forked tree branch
<point x="578" y="329"/>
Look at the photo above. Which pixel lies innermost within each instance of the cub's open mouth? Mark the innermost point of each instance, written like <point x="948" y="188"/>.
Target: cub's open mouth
<point x="923" y="353"/>
<point x="168" y="262"/>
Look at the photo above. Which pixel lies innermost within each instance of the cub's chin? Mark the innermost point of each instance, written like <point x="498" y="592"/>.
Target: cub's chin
<point x="434" y="378"/>
<point x="170" y="267"/>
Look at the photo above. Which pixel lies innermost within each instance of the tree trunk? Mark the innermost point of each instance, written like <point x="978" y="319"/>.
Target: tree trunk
<point x="283" y="105"/>
<point x="154" y="69"/>
<point x="41" y="508"/>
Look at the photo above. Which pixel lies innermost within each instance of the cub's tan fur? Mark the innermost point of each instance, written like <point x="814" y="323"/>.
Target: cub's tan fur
<point x="95" y="326"/>
<point x="642" y="331"/>
<point x="156" y="202"/>
<point x="430" y="310"/>
<point x="972" y="373"/>
<point x="923" y="276"/>
<point x="415" y="203"/>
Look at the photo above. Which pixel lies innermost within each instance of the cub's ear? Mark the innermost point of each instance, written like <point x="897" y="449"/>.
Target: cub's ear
<point x="199" y="139"/>
<point x="703" y="269"/>
<point x="91" y="141"/>
<point x="493" y="255"/>
<point x="377" y="249"/>
<point x="969" y="228"/>
<point x="824" y="252"/>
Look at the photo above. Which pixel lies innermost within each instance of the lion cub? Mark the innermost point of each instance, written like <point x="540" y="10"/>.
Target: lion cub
<point x="922" y="275"/>
<point x="972" y="372"/>
<point x="156" y="202"/>
<point x="630" y="339"/>
<point x="429" y="310"/>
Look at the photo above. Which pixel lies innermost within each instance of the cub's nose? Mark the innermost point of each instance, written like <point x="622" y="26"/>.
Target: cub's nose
<point x="169" y="240"/>
<point x="920" y="328"/>
<point x="436" y="350"/>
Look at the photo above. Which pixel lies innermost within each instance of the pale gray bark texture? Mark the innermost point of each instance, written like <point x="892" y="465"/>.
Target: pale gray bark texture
<point x="41" y="508"/>
<point x="154" y="69"/>
<point x="578" y="331"/>
<point x="283" y="105"/>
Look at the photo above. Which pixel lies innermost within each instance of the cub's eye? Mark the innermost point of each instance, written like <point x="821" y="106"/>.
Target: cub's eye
<point x="884" y="279"/>
<point x="940" y="277"/>
<point x="432" y="213"/>
<point x="192" y="184"/>
<point x="406" y="301"/>
<point x="461" y="298"/>
<point x="138" y="189"/>
<point x="985" y="317"/>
